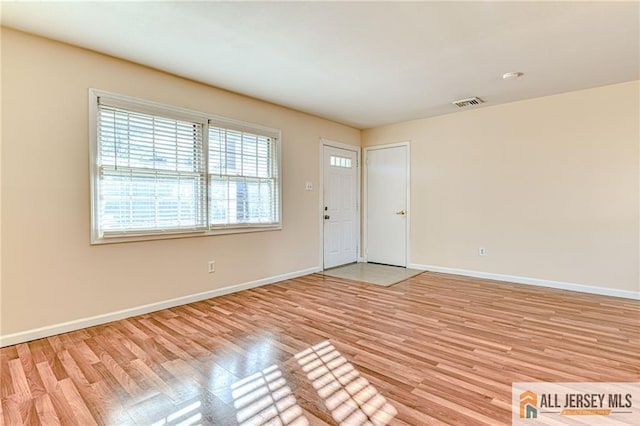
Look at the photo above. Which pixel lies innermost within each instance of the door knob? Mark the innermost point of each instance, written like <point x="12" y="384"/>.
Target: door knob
<point x="401" y="212"/>
<point x="326" y="216"/>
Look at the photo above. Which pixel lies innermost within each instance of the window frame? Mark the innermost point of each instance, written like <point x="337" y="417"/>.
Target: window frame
<point x="172" y="112"/>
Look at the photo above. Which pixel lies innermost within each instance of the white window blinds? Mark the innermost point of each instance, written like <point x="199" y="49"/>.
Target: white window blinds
<point x="243" y="179"/>
<point x="159" y="170"/>
<point x="151" y="173"/>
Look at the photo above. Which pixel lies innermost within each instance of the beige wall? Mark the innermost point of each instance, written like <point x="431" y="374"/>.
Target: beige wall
<point x="0" y="187"/>
<point x="549" y="186"/>
<point x="51" y="273"/>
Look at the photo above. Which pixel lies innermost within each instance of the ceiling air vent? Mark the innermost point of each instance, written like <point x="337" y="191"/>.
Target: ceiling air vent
<point x="462" y="103"/>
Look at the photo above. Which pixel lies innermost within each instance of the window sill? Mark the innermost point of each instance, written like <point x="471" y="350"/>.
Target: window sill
<point x="185" y="234"/>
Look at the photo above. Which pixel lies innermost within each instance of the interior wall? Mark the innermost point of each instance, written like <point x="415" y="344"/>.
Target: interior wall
<point x="51" y="273"/>
<point x="549" y="186"/>
<point x="0" y="187"/>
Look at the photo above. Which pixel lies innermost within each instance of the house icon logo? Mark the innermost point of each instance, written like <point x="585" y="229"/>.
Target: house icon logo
<point x="528" y="405"/>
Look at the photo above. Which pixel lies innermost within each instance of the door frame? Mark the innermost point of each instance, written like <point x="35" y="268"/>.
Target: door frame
<point x="406" y="144"/>
<point x="335" y="144"/>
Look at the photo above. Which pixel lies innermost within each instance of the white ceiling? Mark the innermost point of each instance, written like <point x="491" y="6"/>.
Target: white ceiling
<point x="363" y="64"/>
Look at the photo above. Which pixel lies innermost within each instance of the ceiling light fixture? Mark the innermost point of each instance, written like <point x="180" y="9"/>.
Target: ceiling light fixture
<point x="511" y="75"/>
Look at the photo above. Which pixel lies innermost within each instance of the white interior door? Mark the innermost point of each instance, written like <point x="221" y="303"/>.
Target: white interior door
<point x="387" y="181"/>
<point x="341" y="230"/>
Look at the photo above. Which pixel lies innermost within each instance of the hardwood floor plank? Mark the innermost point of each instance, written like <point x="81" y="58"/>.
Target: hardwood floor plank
<point x="114" y="411"/>
<point x="454" y="413"/>
<point x="64" y="411"/>
<point x="76" y="403"/>
<point x="49" y="379"/>
<point x="19" y="381"/>
<point x="435" y="349"/>
<point x="41" y="351"/>
<point x="148" y="378"/>
<point x="57" y="368"/>
<point x="46" y="411"/>
<point x="11" y="412"/>
<point x="6" y="383"/>
<point x="118" y="373"/>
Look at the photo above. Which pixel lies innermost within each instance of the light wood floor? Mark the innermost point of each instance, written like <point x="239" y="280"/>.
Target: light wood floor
<point x="435" y="349"/>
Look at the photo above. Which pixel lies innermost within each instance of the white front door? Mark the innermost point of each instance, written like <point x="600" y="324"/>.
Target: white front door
<point x="340" y="209"/>
<point x="387" y="181"/>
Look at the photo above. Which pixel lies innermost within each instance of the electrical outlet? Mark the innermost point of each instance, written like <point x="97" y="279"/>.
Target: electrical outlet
<point x="308" y="186"/>
<point x="482" y="251"/>
<point x="212" y="266"/>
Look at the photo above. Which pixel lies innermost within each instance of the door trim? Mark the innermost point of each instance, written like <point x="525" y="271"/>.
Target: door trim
<point x="335" y="144"/>
<point x="406" y="144"/>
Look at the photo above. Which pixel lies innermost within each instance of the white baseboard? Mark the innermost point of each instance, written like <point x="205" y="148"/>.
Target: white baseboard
<point x="65" y="327"/>
<point x="530" y="281"/>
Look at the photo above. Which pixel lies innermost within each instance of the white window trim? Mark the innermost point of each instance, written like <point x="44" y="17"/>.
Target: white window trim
<point x="170" y="111"/>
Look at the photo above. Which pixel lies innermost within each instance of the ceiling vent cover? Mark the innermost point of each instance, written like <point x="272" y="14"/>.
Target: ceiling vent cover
<point x="462" y="103"/>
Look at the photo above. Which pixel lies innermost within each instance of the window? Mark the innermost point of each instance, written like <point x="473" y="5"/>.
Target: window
<point x="242" y="178"/>
<point x="337" y="161"/>
<point x="159" y="171"/>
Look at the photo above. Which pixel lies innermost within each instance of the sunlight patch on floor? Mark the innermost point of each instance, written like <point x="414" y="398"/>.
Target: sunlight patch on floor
<point x="350" y="397"/>
<point x="264" y="398"/>
<point x="191" y="412"/>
